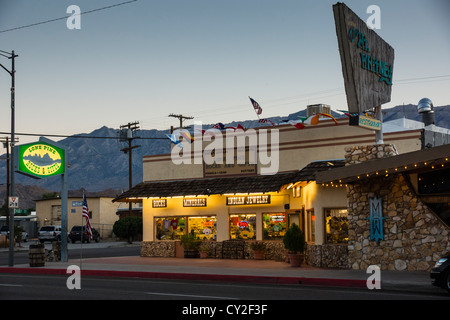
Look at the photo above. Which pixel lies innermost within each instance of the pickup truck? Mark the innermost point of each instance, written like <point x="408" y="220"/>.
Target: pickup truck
<point x="49" y="233"/>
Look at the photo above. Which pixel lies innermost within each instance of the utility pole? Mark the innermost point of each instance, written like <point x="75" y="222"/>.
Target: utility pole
<point x="181" y="118"/>
<point x="127" y="134"/>
<point x="5" y="142"/>
<point x="12" y="73"/>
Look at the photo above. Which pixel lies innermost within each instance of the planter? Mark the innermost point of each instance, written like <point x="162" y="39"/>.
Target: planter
<point x="258" y="254"/>
<point x="203" y="254"/>
<point x="190" y="254"/>
<point x="295" y="260"/>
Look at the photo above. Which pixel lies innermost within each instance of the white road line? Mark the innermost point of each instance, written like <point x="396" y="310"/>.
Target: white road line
<point x="189" y="295"/>
<point x="10" y="285"/>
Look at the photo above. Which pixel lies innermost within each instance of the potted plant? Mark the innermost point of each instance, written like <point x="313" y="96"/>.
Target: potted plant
<point x="294" y="242"/>
<point x="190" y="245"/>
<point x="258" y="248"/>
<point x="204" y="250"/>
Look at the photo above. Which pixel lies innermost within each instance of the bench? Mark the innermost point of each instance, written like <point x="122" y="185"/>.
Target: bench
<point x="233" y="249"/>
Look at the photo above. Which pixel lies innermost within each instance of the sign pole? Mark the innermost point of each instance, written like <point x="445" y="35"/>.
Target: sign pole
<point x="379" y="133"/>
<point x="13" y="140"/>
<point x="64" y="196"/>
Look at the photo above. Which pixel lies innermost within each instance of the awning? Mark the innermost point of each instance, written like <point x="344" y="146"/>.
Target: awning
<point x="210" y="186"/>
<point x="416" y="161"/>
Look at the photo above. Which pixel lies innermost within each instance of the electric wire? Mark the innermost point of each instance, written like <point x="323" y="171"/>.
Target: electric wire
<point x="77" y="136"/>
<point x="65" y="17"/>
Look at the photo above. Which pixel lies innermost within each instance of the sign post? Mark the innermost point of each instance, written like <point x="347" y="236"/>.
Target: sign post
<point x="367" y="65"/>
<point x="44" y="159"/>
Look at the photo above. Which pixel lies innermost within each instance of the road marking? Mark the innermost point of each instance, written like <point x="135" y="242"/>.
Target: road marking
<point x="189" y="295"/>
<point x="10" y="285"/>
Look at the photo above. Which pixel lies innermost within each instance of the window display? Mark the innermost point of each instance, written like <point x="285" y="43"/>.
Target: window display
<point x="170" y="228"/>
<point x="274" y="226"/>
<point x="243" y="226"/>
<point x="336" y="225"/>
<point x="203" y="228"/>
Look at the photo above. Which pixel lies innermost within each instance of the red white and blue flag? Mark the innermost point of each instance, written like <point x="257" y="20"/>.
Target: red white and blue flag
<point x="86" y="216"/>
<point x="256" y="106"/>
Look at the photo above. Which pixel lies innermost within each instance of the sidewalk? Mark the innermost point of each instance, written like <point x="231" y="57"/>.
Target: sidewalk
<point x="231" y="270"/>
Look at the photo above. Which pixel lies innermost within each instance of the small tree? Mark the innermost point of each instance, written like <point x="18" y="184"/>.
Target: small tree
<point x="128" y="228"/>
<point x="294" y="239"/>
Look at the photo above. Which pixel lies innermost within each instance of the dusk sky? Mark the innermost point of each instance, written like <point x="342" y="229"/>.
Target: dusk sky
<point x="146" y="59"/>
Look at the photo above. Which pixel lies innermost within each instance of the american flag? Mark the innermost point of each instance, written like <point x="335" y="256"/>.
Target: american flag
<point x="256" y="106"/>
<point x="219" y="126"/>
<point x="266" y="121"/>
<point x="86" y="216"/>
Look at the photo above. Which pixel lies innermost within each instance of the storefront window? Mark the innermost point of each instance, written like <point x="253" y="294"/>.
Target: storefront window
<point x="203" y="228"/>
<point x="243" y="226"/>
<point x="170" y="228"/>
<point x="336" y="225"/>
<point x="274" y="226"/>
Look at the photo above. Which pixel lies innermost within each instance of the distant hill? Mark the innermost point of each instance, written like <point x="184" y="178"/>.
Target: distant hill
<point x="98" y="164"/>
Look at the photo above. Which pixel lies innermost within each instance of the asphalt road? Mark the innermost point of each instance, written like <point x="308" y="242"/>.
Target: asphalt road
<point x="51" y="287"/>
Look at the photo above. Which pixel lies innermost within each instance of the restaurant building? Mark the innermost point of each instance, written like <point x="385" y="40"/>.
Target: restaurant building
<point x="398" y="209"/>
<point x="231" y="201"/>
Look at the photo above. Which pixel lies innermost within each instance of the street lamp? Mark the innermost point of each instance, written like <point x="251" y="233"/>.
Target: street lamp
<point x="11" y="56"/>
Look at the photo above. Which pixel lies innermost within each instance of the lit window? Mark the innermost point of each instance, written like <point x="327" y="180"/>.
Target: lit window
<point x="336" y="225"/>
<point x="243" y="226"/>
<point x="274" y="226"/>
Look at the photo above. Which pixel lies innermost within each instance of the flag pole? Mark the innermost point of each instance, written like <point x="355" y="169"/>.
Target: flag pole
<point x="81" y="234"/>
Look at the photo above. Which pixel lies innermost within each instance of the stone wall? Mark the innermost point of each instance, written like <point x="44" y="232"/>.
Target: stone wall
<point x="358" y="154"/>
<point x="164" y="249"/>
<point x="327" y="256"/>
<point x="274" y="249"/>
<point x="414" y="237"/>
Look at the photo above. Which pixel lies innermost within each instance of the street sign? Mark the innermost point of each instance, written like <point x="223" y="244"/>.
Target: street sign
<point x="13" y="202"/>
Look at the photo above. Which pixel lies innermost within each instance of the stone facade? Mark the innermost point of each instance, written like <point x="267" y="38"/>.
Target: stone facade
<point x="358" y="154"/>
<point x="274" y="249"/>
<point x="414" y="237"/>
<point x="327" y="256"/>
<point x="164" y="249"/>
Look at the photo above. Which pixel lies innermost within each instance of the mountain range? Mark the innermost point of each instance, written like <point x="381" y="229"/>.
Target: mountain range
<point x="98" y="164"/>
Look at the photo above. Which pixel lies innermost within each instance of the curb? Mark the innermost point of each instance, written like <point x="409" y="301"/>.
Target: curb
<point x="193" y="276"/>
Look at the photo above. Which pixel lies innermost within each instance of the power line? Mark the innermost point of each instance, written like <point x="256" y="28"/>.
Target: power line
<point x="65" y="17"/>
<point x="76" y="136"/>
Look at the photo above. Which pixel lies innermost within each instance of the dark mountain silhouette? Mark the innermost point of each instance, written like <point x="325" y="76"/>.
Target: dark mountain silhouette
<point x="98" y="164"/>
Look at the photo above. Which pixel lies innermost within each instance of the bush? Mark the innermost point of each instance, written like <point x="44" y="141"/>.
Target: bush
<point x="294" y="239"/>
<point x="257" y="246"/>
<point x="189" y="242"/>
<point x="128" y="228"/>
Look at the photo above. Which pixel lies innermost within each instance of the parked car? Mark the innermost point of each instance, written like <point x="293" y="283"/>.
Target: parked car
<point x="5" y="230"/>
<point x="75" y="234"/>
<point x="440" y="273"/>
<point x="49" y="233"/>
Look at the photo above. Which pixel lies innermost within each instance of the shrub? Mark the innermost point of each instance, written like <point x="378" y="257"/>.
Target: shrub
<point x="294" y="239"/>
<point x="128" y="228"/>
<point x="189" y="242"/>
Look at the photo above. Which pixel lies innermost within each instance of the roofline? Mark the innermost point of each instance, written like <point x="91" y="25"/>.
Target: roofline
<point x="405" y="162"/>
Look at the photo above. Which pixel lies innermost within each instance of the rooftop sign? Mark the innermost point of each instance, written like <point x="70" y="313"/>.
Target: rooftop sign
<point x="367" y="61"/>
